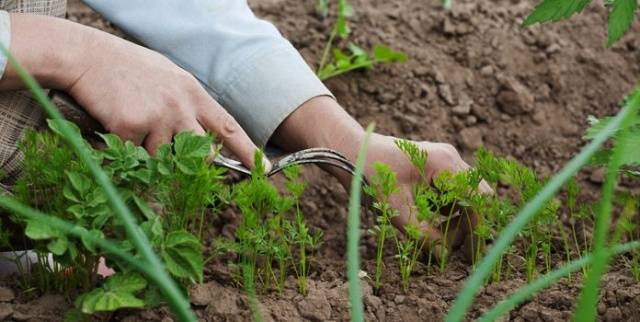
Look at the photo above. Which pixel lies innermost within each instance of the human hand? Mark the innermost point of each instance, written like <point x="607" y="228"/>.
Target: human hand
<point x="442" y="157"/>
<point x="132" y="91"/>
<point x="334" y="128"/>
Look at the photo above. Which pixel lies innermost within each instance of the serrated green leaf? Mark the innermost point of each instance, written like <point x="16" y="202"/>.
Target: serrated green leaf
<point x="129" y="282"/>
<point x="620" y="19"/>
<point x="117" y="292"/>
<point x="555" y="10"/>
<point x="56" y="125"/>
<point x="144" y="207"/>
<point x="39" y="230"/>
<point x="100" y="300"/>
<point x="112" y="141"/>
<point x="628" y="142"/>
<point x="189" y="145"/>
<point x="58" y="246"/>
<point x="88" y="244"/>
<point x="386" y="54"/>
<point x="79" y="182"/>
<point x="182" y="254"/>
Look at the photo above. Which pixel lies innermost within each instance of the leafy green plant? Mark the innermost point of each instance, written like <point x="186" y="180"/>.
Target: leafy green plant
<point x="536" y="204"/>
<point x="620" y="155"/>
<point x="381" y="187"/>
<point x="299" y="234"/>
<point x="76" y="198"/>
<point x="357" y="58"/>
<point x="155" y="269"/>
<point x="621" y="14"/>
<point x="267" y="234"/>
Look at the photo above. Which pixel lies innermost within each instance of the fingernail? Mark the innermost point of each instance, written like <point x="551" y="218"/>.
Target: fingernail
<point x="267" y="165"/>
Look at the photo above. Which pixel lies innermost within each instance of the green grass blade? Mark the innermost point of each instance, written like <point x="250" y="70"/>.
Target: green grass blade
<point x="353" y="233"/>
<point x="531" y="289"/>
<point x="169" y="288"/>
<point x="484" y="268"/>
<point x="587" y="305"/>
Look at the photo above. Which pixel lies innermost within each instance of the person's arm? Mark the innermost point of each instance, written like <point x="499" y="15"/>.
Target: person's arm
<point x="243" y="61"/>
<point x="134" y="92"/>
<point x="263" y="81"/>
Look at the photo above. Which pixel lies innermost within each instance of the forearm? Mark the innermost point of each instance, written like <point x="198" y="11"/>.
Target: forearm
<point x="320" y="122"/>
<point x="243" y="61"/>
<point x="49" y="48"/>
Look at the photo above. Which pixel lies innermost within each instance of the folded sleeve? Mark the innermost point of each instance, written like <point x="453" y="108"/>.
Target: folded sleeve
<point x="243" y="61"/>
<point x="5" y="39"/>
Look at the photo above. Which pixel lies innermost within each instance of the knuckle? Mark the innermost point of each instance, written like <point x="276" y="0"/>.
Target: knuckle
<point x="228" y="127"/>
<point x="448" y="157"/>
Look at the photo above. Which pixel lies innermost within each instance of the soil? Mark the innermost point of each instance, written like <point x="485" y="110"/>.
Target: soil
<point x="474" y="78"/>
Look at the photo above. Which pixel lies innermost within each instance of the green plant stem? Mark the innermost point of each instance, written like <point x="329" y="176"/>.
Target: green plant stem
<point x="475" y="281"/>
<point x="248" y="272"/>
<point x="353" y="234"/>
<point x="531" y="289"/>
<point x="379" y="253"/>
<point x="338" y="72"/>
<point x="327" y="49"/>
<point x="443" y="260"/>
<point x="134" y="233"/>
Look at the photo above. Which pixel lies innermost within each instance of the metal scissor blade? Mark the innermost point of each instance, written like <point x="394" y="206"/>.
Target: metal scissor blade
<point x="318" y="156"/>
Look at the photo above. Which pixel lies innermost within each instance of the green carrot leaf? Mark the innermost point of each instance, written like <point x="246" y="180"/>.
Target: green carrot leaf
<point x="555" y="10"/>
<point x="620" y="19"/>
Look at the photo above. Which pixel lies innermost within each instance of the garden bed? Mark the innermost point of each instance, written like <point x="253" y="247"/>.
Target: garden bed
<point x="474" y="78"/>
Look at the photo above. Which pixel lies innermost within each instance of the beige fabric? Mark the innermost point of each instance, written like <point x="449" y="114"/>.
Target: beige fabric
<point x="18" y="110"/>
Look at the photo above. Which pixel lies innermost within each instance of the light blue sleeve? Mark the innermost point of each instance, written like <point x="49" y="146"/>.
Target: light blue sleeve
<point x="5" y="39"/>
<point x="243" y="61"/>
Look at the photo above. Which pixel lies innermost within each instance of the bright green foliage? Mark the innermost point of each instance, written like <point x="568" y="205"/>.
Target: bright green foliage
<point x="538" y="203"/>
<point x="631" y="156"/>
<point x="621" y="14"/>
<point x="273" y="231"/>
<point x="357" y="58"/>
<point x="381" y="187"/>
<point x="555" y="10"/>
<point x="620" y="18"/>
<point x="586" y="309"/>
<point x="118" y="291"/>
<point x="417" y="156"/>
<point x="55" y="181"/>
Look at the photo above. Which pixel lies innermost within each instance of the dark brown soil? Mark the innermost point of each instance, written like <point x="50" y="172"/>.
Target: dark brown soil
<point x="474" y="78"/>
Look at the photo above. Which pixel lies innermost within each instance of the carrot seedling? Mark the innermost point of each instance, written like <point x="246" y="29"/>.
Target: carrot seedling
<point x="356" y="58"/>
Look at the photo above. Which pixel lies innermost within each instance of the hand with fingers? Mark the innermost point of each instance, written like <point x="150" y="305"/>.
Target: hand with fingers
<point x="134" y="92"/>
<point x="336" y="129"/>
<point x="442" y="157"/>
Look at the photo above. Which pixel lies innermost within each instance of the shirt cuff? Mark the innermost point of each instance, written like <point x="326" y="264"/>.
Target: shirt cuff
<point x="267" y="87"/>
<point x="5" y="39"/>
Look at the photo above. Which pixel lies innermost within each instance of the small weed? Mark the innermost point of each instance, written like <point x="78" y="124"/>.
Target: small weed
<point x="356" y="58"/>
<point x="267" y="234"/>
